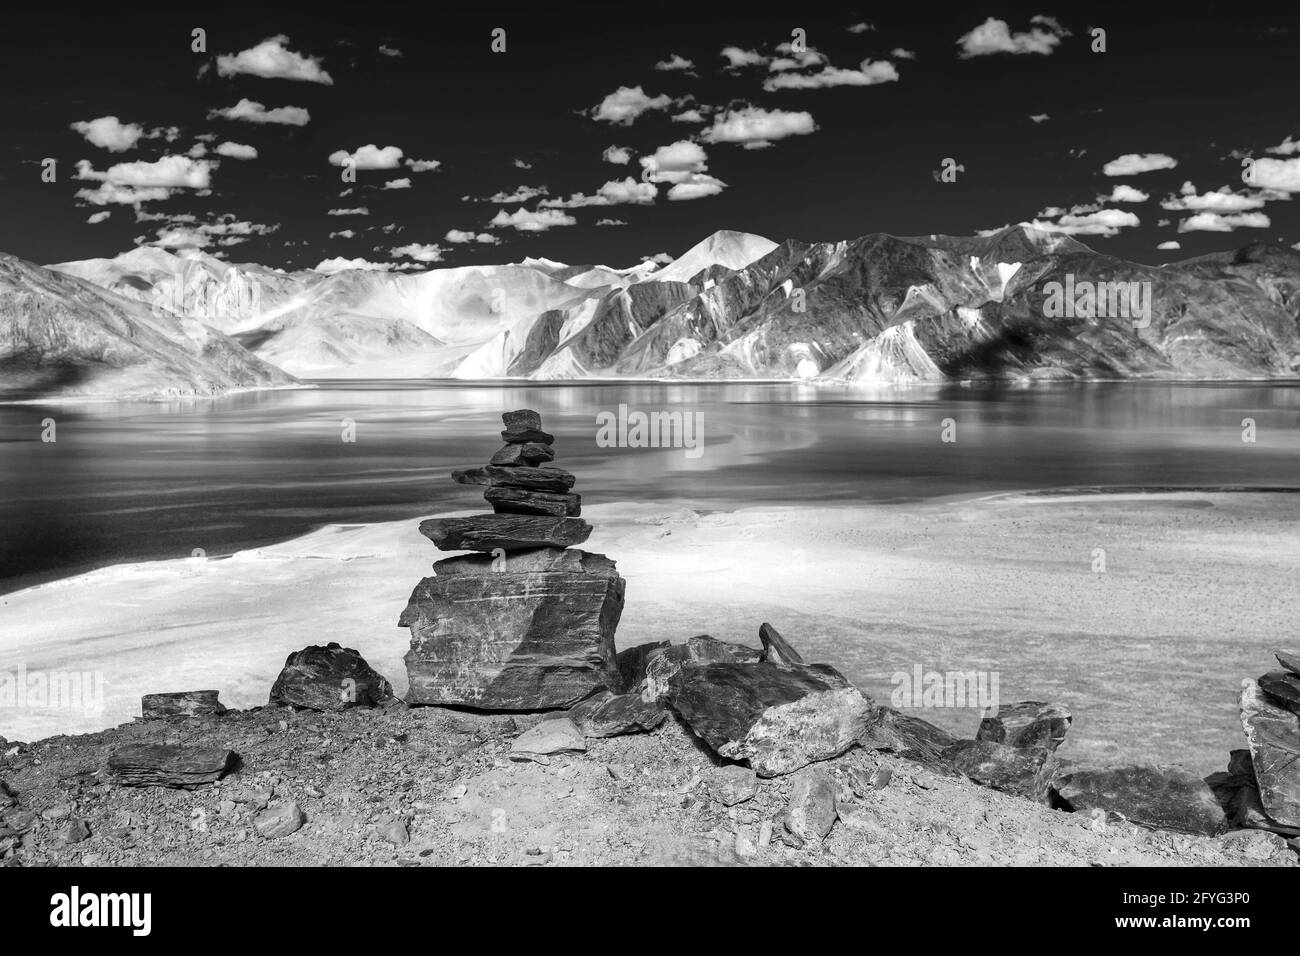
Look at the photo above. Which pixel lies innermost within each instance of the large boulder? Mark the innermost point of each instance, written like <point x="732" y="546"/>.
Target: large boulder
<point x="186" y="703"/>
<point x="175" y="767"/>
<point x="776" y="649"/>
<point x="1024" y="772"/>
<point x="1273" y="734"/>
<point x="611" y="715"/>
<point x="1238" y="794"/>
<point x="329" y="678"/>
<point x="509" y="532"/>
<point x="1028" y="725"/>
<point x="776" y="718"/>
<point x="532" y="632"/>
<point x="908" y="736"/>
<point x="1166" y="798"/>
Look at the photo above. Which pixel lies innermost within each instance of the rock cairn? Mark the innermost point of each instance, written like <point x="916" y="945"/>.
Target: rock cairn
<point x="528" y="622"/>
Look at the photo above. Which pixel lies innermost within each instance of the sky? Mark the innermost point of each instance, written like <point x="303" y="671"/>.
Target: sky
<point x="422" y="136"/>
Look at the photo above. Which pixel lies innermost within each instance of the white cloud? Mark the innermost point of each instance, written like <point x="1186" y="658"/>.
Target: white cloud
<point x="463" y="236"/>
<point x="110" y="133"/>
<point x="618" y="155"/>
<point x="625" y="104"/>
<point x="697" y="186"/>
<point x="237" y="151"/>
<point x="610" y="222"/>
<point x="423" y="165"/>
<point x="520" y="164"/>
<point x="1214" y="222"/>
<point x="168" y="172"/>
<point x="1131" y="164"/>
<point x="899" y="53"/>
<point x="659" y="258"/>
<point x="1039" y="117"/>
<point x="369" y="156"/>
<point x="689" y="116"/>
<point x="98" y="217"/>
<point x="995" y="36"/>
<point x="674" y="163"/>
<point x="248" y="111"/>
<point x="358" y="211"/>
<point x="1170" y="244"/>
<point x="754" y="127"/>
<point x="387" y="50"/>
<point x="868" y="74"/>
<point x="420" y="252"/>
<point x="106" y="194"/>
<point x="613" y="193"/>
<point x="1103" y="222"/>
<point x="792" y="60"/>
<point x="521" y="194"/>
<point x="524" y="221"/>
<point x="270" y="59"/>
<point x="860" y="28"/>
<point x="403" y="183"/>
<point x="339" y="264"/>
<point x="1280" y="174"/>
<point x="1123" y="192"/>
<point x="736" y="57"/>
<point x="343" y="233"/>
<point x="1287" y="147"/>
<point x="675" y="62"/>
<point x="1224" y="200"/>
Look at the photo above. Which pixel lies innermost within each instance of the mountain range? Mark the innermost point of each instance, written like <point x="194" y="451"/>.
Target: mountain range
<point x="877" y="309"/>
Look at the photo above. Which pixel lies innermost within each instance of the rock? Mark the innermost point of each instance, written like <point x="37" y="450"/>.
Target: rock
<point x="520" y="476"/>
<point x="610" y="715"/>
<point x="7" y="797"/>
<point x="187" y="703"/>
<point x="552" y="736"/>
<point x="777" y="719"/>
<point x="703" y="649"/>
<point x="811" y="812"/>
<point x="1028" y="725"/>
<point x="661" y="664"/>
<point x="523" y="435"/>
<point x="20" y="821"/>
<point x="329" y="678"/>
<point x="1167" y="798"/>
<point x="394" y="830"/>
<point x="734" y="784"/>
<point x="1290" y="660"/>
<point x="1283" y="689"/>
<point x="529" y="454"/>
<point x="1022" y="772"/>
<point x="537" y="634"/>
<point x="487" y="532"/>
<point x="75" y="830"/>
<point x="632" y="664"/>
<point x="775" y="648"/>
<point x="525" y="501"/>
<point x="279" y="821"/>
<point x="522" y="419"/>
<point x="157" y="765"/>
<point x="1255" y="844"/>
<point x="910" y="737"/>
<point x="1238" y="794"/>
<point x="1273" y="735"/>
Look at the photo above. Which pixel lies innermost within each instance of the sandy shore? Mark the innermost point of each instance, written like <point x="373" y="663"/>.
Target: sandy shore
<point x="1148" y="653"/>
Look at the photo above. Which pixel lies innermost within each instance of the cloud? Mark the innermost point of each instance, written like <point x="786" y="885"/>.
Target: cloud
<point x="524" y="221"/>
<point x="674" y="163"/>
<point x="792" y="60"/>
<point x="618" y="155"/>
<point x="613" y="193"/>
<point x="898" y="53"/>
<point x="343" y="233"/>
<point x="1279" y="174"/>
<point x="420" y="252"/>
<point x="659" y="258"/>
<point x="860" y="28"/>
<point x="868" y="74"/>
<point x="1170" y="244"/>
<point x="389" y="50"/>
<point x="236" y="151"/>
<point x="754" y="127"/>
<point x="610" y="222"/>
<point x="1125" y="193"/>
<point x="688" y="116"/>
<point x="1287" y="147"/>
<point x="110" y="133"/>
<point x="169" y="172"/>
<point x="225" y="230"/>
<point x="1039" y="117"/>
<point x="403" y="183"/>
<point x="520" y="164"/>
<point x="339" y="264"/>
<point x="1103" y="222"/>
<point x="248" y="111"/>
<point x="521" y="194"/>
<point x="1131" y="164"/>
<point x="1224" y="200"/>
<point x="625" y="104"/>
<point x="357" y="211"/>
<point x="1214" y="222"/>
<point x="369" y="156"/>
<point x="675" y="62"/>
<point x="696" y="186"/>
<point x="737" y="58"/>
<point x="106" y="194"/>
<point x="462" y="236"/>
<point x="422" y="165"/>
<point x="995" y="36"/>
<point x="98" y="217"/>
<point x="271" y="60"/>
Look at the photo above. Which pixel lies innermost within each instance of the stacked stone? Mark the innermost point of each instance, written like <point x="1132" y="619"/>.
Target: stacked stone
<point x="529" y="623"/>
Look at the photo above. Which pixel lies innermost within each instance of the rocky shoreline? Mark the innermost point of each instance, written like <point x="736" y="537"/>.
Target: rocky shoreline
<point x="527" y="738"/>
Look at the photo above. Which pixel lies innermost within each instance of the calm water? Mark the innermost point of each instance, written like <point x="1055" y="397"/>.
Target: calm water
<point x="126" y="482"/>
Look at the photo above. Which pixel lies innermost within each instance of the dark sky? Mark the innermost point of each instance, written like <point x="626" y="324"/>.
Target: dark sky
<point x="1203" y="87"/>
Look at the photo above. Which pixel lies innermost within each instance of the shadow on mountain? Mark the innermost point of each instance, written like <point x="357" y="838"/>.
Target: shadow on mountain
<point x="26" y="377"/>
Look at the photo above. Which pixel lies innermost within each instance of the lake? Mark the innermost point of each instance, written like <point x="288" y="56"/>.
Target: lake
<point x="135" y="481"/>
